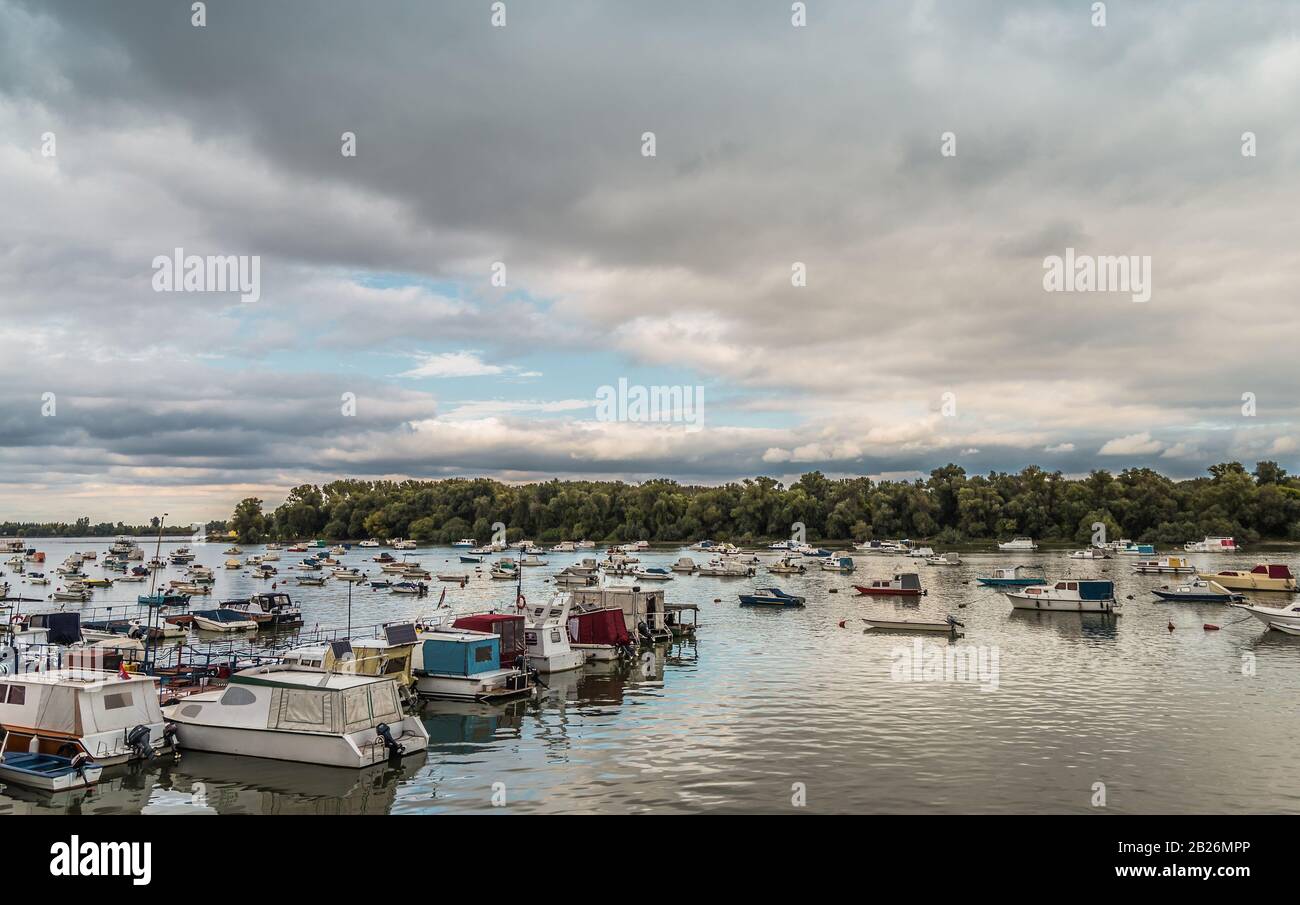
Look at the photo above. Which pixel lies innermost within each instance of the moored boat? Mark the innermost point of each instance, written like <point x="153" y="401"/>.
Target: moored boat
<point x="771" y="597"/>
<point x="1017" y="576"/>
<point x="948" y="625"/>
<point x="1212" y="545"/>
<point x="1274" y="617"/>
<point x="904" y="584"/>
<point x="1264" y="577"/>
<point x="1075" y="596"/>
<point x="284" y="712"/>
<point x="1165" y="565"/>
<point x="1018" y="544"/>
<point x="1199" y="591"/>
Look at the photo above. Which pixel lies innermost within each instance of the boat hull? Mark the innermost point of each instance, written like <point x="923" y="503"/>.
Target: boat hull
<point x="1273" y="617"/>
<point x="1249" y="581"/>
<point x="354" y="750"/>
<point x="1052" y="605"/>
<point x="886" y="592"/>
<point x="47" y="773"/>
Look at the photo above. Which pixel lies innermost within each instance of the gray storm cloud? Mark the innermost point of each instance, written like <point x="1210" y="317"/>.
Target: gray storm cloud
<point x="522" y="144"/>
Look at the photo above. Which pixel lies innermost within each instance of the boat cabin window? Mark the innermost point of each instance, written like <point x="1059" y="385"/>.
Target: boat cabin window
<point x="1060" y="586"/>
<point x="482" y="654"/>
<point x="17" y="694"/>
<point x="1073" y="585"/>
<point x="555" y="636"/>
<point x="117" y="701"/>
<point x="236" y="696"/>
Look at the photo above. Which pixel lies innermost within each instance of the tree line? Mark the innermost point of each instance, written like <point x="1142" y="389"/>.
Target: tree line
<point x="82" y="527"/>
<point x="948" y="507"/>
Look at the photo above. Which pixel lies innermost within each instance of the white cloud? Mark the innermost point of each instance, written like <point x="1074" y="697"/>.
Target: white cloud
<point x="453" y="364"/>
<point x="1131" y="445"/>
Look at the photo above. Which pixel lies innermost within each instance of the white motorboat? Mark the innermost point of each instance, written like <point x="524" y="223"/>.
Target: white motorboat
<point x="726" y="567"/>
<point x="921" y="552"/>
<point x="222" y="620"/>
<point x="788" y="565"/>
<point x="1074" y="596"/>
<point x="944" y="559"/>
<point x="837" y="564"/>
<point x="1090" y="553"/>
<point x="369" y="543"/>
<point x="284" y="712"/>
<point x="1212" y="545"/>
<point x="1018" y="544"/>
<point x="546" y="636"/>
<point x="1274" y="617"/>
<point x="653" y="573"/>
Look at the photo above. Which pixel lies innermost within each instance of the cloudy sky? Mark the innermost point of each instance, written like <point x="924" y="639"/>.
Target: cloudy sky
<point x="523" y="145"/>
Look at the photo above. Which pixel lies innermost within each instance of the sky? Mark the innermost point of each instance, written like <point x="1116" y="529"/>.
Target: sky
<point x="838" y="244"/>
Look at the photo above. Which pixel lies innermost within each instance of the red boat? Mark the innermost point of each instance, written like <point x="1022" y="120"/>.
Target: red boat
<point x="904" y="584"/>
<point x="600" y="633"/>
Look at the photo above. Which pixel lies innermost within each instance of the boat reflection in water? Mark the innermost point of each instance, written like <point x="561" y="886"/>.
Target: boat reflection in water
<point x="225" y="784"/>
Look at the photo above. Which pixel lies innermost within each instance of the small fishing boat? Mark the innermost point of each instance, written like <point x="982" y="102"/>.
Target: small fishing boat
<point x="233" y="551"/>
<point x="787" y="565"/>
<point x="39" y="578"/>
<point x="459" y="578"/>
<point x="1212" y="545"/>
<point x="837" y="564"/>
<point x="404" y="587"/>
<point x="947" y="625"/>
<point x="904" y="584"/>
<point x="1018" y="544"/>
<point x="505" y="569"/>
<point x="653" y="573"/>
<point x="311" y="581"/>
<point x="1082" y="596"/>
<point x="685" y="565"/>
<point x="475" y="560"/>
<point x="233" y="564"/>
<point x="1090" y="553"/>
<point x="771" y="597"/>
<point x="223" y="620"/>
<point x="98" y="583"/>
<point x="727" y="567"/>
<point x="344" y="574"/>
<point x="48" y="772"/>
<point x="566" y="579"/>
<point x="1166" y="565"/>
<point x="1274" y="617"/>
<point x="1199" y="591"/>
<point x="531" y="559"/>
<point x="1264" y="577"/>
<point x="72" y="592"/>
<point x="944" y="559"/>
<point x="1018" y="576"/>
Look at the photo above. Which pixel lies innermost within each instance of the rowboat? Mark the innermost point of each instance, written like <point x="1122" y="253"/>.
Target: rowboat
<point x="948" y="625"/>
<point x="771" y="597"/>
<point x="48" y="772"/>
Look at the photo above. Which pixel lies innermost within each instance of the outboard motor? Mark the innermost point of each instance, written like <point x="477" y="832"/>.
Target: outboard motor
<point x="138" y="741"/>
<point x="79" y="763"/>
<point x="386" y="736"/>
<point x="169" y="739"/>
<point x="643" y="631"/>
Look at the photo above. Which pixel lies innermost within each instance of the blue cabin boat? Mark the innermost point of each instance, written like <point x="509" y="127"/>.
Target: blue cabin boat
<point x="463" y="665"/>
<point x="774" y="597"/>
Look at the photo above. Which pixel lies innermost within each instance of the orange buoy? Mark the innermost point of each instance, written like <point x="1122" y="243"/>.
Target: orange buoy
<point x="1211" y="627"/>
<point x="1171" y="626"/>
<point x="842" y="621"/>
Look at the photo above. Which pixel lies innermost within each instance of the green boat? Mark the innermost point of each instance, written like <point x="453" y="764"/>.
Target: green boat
<point x="1018" y="577"/>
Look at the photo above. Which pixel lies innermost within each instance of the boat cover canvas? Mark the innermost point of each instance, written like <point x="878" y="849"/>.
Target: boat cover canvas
<point x="599" y="627"/>
<point x="1274" y="571"/>
<point x="64" y="628"/>
<point x="1096" y="590"/>
<point x="510" y="626"/>
<point x="910" y="582"/>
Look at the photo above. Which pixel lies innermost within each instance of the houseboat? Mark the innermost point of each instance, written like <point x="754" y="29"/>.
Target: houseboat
<point x="904" y="584"/>
<point x="110" y="717"/>
<point x="643" y="611"/>
<point x="458" y="664"/>
<point x="1138" y="550"/>
<point x="283" y="712"/>
<point x="1264" y="577"/>
<point x="1082" y="596"/>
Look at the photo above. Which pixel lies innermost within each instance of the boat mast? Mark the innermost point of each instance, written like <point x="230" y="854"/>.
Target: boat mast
<point x="153" y="581"/>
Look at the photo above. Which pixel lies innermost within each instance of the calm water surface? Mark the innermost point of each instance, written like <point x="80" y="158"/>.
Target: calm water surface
<point x="1169" y="721"/>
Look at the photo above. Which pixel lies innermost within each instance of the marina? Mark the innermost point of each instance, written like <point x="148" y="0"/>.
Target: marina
<point x="628" y="662"/>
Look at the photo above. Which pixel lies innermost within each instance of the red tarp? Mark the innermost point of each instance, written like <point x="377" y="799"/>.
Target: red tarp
<point x="598" y="627"/>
